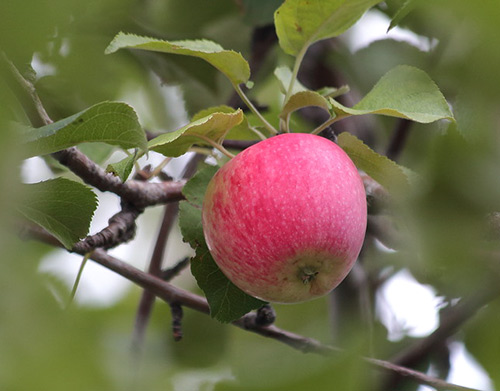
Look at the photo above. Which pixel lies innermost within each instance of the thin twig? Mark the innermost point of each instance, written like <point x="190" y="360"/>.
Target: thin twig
<point x="146" y="302"/>
<point x="171" y="272"/>
<point x="177" y="314"/>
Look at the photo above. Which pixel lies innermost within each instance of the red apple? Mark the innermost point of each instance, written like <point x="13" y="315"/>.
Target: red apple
<point x="285" y="219"/>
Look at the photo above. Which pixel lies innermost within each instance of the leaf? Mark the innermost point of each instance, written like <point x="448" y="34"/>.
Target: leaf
<point x="260" y="12"/>
<point x="284" y="76"/>
<point x="241" y="131"/>
<point x="403" y="92"/>
<point x="213" y="127"/>
<point x="124" y="167"/>
<point x="304" y="99"/>
<point x="300" y="23"/>
<point x="113" y="123"/>
<point x="63" y="207"/>
<point x="227" y="302"/>
<point x="190" y="210"/>
<point x="229" y="62"/>
<point x="383" y="170"/>
<point x="401" y="13"/>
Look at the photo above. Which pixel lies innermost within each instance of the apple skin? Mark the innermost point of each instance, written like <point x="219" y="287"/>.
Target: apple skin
<point x="286" y="218"/>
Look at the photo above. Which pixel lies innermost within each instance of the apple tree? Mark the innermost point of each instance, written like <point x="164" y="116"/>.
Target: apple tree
<point x="117" y="116"/>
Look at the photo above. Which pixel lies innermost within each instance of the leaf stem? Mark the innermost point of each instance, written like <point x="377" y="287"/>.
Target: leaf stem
<point x="257" y="132"/>
<point x="86" y="257"/>
<point x="160" y="167"/>
<point x="253" y="109"/>
<point x="212" y="143"/>
<point x="295" y="71"/>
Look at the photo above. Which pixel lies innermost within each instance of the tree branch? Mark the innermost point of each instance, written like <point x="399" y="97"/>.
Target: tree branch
<point x="139" y="193"/>
<point x="121" y="228"/>
<point x="146" y="302"/>
<point x="171" y="294"/>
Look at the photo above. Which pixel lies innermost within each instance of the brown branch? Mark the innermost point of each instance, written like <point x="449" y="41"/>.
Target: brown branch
<point x="177" y="314"/>
<point x="451" y="319"/>
<point x="399" y="138"/>
<point x="121" y="228"/>
<point x="170" y="273"/>
<point x="139" y="193"/>
<point x="171" y="294"/>
<point x="26" y="94"/>
<point x="146" y="302"/>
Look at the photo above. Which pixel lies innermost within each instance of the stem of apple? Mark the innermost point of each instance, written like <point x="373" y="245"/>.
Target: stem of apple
<point x="329" y="122"/>
<point x="253" y="109"/>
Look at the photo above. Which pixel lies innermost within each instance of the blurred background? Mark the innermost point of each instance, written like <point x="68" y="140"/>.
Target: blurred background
<point x="424" y="256"/>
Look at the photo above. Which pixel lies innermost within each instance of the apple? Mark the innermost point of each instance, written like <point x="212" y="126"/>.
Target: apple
<point x="285" y="219"/>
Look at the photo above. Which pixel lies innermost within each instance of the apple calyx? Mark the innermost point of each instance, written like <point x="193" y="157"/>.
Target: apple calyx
<point x="307" y="274"/>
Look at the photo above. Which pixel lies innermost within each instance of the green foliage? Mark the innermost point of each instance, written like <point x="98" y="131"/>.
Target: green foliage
<point x="213" y="127"/>
<point x="303" y="99"/>
<point x="300" y="23"/>
<point x="404" y="92"/>
<point x="124" y="167"/>
<point x="386" y="172"/>
<point x="404" y="8"/>
<point x="232" y="64"/>
<point x="227" y="302"/>
<point x="45" y="347"/>
<point x="63" y="207"/>
<point x="242" y="131"/>
<point x="110" y="122"/>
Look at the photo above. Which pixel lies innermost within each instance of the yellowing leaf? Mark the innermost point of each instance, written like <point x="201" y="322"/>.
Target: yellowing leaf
<point x="212" y="127"/>
<point x="304" y="99"/>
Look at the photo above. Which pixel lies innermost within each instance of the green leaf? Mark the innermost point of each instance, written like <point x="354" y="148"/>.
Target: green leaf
<point x="241" y="131"/>
<point x="63" y="207"/>
<point x="304" y="99"/>
<point x="260" y="12"/>
<point x="227" y="302"/>
<point x="403" y="92"/>
<point x="229" y="62"/>
<point x="113" y="123"/>
<point x="190" y="210"/>
<point x="400" y="14"/>
<point x="213" y="127"/>
<point x="383" y="170"/>
<point x="124" y="167"/>
<point x="284" y="76"/>
<point x="300" y="23"/>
